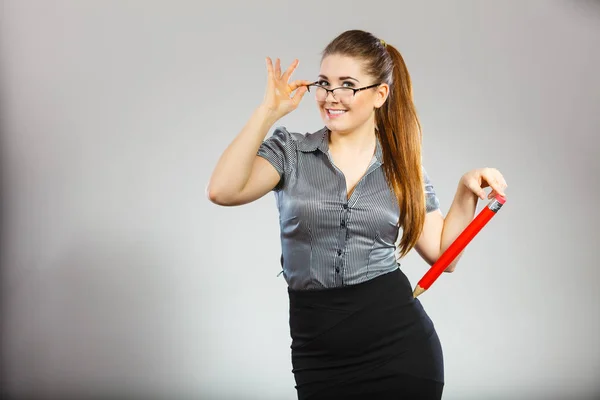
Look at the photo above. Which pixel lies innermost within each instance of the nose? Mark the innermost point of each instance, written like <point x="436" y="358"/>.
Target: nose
<point x="332" y="96"/>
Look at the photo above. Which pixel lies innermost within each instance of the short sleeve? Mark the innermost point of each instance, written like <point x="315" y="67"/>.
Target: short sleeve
<point x="277" y="149"/>
<point x="431" y="200"/>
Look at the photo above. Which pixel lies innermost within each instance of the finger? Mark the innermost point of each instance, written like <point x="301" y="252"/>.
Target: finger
<point x="501" y="180"/>
<point x="288" y="73"/>
<point x="269" y="63"/>
<point x="299" y="94"/>
<point x="491" y="178"/>
<point x="498" y="187"/>
<point x="270" y="79"/>
<point x="278" y="68"/>
<point x="296" y="84"/>
<point x="475" y="188"/>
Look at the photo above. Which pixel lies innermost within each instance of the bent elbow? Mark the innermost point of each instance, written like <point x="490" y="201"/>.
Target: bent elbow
<point x="217" y="197"/>
<point x="450" y="268"/>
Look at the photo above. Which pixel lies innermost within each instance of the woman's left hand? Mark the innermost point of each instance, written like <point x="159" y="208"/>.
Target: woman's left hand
<point x="478" y="179"/>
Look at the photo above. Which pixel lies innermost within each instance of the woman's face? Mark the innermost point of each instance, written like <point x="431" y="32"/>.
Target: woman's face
<point x="347" y="111"/>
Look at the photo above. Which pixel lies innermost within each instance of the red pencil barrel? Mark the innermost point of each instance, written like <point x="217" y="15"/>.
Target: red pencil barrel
<point x="460" y="243"/>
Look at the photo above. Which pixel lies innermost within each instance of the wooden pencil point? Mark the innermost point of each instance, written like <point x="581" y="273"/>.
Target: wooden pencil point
<point x="418" y="290"/>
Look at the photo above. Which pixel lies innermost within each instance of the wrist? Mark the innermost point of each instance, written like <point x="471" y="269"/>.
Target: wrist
<point x="463" y="192"/>
<point x="268" y="115"/>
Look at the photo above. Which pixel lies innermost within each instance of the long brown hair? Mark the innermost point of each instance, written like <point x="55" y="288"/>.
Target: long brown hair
<point x="398" y="127"/>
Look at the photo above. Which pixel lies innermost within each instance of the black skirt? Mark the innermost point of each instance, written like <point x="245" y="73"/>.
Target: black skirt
<point x="371" y="340"/>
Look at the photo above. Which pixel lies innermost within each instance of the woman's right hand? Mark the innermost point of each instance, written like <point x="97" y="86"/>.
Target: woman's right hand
<point x="278" y="98"/>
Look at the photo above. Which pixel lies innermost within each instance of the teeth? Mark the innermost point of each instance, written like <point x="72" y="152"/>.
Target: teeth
<point x="336" y="111"/>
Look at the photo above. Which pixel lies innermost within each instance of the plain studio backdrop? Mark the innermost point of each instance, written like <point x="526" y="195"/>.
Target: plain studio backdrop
<point x="119" y="277"/>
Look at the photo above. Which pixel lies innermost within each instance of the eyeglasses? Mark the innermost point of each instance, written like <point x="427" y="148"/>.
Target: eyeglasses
<point x="342" y="94"/>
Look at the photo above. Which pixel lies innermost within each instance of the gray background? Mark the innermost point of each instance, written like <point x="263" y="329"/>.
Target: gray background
<point x="120" y="277"/>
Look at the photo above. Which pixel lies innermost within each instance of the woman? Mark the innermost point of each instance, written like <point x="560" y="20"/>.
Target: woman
<point x="344" y="193"/>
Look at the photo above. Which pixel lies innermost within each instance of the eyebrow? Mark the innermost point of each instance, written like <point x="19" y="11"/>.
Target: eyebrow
<point x="342" y="78"/>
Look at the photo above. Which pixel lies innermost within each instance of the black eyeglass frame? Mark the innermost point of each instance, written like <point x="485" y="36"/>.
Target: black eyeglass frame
<point x="341" y="87"/>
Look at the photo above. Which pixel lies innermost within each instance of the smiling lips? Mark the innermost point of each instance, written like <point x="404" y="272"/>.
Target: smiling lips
<point x="333" y="113"/>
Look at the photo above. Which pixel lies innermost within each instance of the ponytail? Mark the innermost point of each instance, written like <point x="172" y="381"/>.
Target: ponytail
<point x="399" y="132"/>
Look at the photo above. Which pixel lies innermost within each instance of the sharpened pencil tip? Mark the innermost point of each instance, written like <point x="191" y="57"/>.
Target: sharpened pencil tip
<point x="418" y="291"/>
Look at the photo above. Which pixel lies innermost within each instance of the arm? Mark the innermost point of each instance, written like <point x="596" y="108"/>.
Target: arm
<point x="240" y="176"/>
<point x="439" y="232"/>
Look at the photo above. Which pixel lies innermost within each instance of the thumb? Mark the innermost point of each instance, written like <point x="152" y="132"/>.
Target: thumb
<point x="475" y="188"/>
<point x="299" y="94"/>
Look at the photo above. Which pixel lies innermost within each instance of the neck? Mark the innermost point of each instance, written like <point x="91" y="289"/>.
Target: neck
<point x="356" y="141"/>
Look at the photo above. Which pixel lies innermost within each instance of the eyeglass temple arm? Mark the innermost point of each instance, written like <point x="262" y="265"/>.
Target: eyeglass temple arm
<point x="311" y="84"/>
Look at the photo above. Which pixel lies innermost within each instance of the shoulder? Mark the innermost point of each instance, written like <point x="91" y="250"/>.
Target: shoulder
<point x="431" y="199"/>
<point x="303" y="141"/>
<point x="284" y="131"/>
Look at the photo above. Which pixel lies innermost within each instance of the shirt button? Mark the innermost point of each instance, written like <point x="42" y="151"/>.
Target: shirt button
<point x="343" y="223"/>
<point x="339" y="252"/>
<point x="345" y="206"/>
<point x="337" y="269"/>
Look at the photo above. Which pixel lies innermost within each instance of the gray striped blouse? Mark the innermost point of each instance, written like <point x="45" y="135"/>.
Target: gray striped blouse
<point x="328" y="240"/>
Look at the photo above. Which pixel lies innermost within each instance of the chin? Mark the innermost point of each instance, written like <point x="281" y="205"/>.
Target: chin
<point x="336" y="124"/>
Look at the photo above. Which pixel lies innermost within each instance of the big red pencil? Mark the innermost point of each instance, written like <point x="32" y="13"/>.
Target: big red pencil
<point x="459" y="244"/>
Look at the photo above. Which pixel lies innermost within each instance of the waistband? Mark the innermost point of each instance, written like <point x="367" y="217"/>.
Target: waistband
<point x="357" y="294"/>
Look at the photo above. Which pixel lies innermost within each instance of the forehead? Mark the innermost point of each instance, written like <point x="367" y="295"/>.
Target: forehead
<point x="335" y="65"/>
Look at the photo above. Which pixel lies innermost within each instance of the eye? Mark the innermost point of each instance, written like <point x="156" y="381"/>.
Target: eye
<point x="350" y="84"/>
<point x="322" y="83"/>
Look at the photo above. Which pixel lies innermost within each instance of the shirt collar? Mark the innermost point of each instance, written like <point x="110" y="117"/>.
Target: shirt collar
<point x="320" y="140"/>
<point x="316" y="140"/>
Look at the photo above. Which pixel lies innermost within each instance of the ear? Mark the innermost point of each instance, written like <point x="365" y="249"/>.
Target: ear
<point x="381" y="94"/>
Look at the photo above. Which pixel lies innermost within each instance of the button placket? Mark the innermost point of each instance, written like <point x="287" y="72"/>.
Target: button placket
<point x="342" y="238"/>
